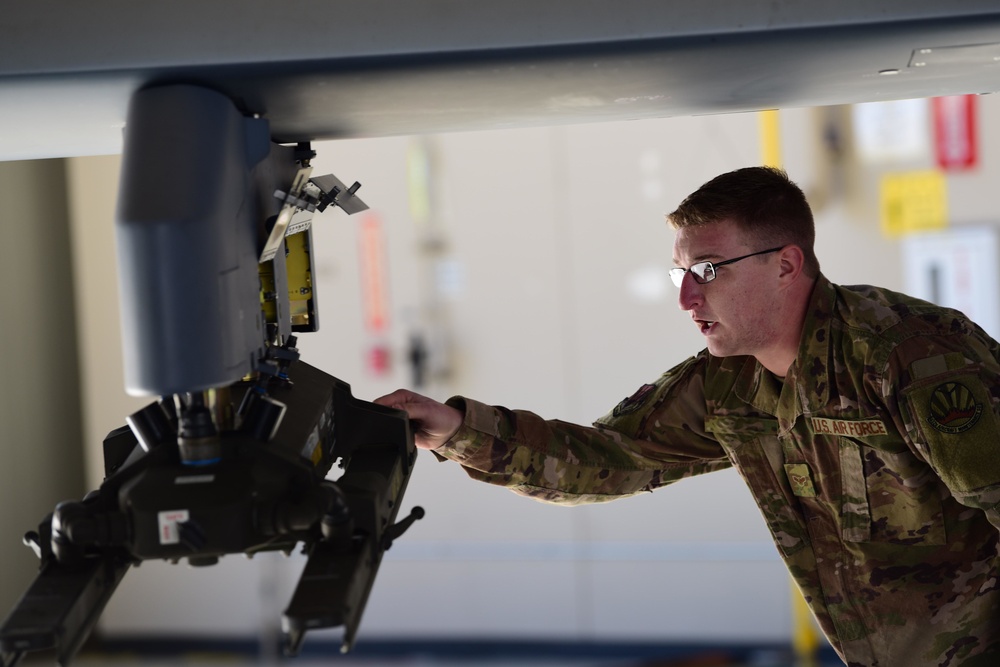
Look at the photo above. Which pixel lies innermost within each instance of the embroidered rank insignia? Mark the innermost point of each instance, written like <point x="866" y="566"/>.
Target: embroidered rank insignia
<point x="800" y="480"/>
<point x="635" y="401"/>
<point x="953" y="408"/>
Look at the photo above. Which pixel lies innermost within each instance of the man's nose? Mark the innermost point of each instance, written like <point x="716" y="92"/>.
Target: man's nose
<point x="690" y="294"/>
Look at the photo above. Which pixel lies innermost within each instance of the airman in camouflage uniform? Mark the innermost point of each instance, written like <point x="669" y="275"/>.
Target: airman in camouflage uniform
<point x="875" y="460"/>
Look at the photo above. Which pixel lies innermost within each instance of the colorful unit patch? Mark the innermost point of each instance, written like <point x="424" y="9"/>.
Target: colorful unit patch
<point x="953" y="408"/>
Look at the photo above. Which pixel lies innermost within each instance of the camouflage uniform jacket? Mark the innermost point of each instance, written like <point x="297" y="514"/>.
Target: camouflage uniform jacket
<point x="876" y="464"/>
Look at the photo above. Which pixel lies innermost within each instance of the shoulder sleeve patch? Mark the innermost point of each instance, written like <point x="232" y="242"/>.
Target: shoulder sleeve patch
<point x="955" y="418"/>
<point x="630" y="416"/>
<point x="635" y="401"/>
<point x="953" y="408"/>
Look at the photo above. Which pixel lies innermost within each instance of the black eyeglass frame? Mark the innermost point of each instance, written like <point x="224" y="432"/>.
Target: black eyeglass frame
<point x="704" y="272"/>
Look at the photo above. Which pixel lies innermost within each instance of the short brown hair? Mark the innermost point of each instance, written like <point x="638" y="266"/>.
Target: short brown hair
<point x="762" y="201"/>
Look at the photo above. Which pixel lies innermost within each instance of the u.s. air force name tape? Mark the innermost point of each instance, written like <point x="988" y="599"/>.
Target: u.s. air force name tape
<point x="858" y="428"/>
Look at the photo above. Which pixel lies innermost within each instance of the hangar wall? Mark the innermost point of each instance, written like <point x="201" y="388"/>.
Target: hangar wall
<point x="41" y="456"/>
<point x="539" y="279"/>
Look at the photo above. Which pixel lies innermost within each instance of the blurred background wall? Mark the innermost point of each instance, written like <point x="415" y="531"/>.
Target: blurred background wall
<point x="41" y="453"/>
<point x="531" y="267"/>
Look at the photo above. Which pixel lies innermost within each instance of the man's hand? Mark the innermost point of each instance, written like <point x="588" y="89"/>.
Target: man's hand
<point x="434" y="423"/>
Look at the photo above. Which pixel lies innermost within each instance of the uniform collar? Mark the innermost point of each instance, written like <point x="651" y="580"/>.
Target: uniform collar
<point x="811" y="369"/>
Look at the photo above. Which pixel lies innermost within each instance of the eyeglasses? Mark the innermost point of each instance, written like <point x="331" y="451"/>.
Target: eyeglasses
<point x="704" y="272"/>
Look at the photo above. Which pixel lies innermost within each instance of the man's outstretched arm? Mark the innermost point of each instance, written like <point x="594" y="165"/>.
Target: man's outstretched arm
<point x="654" y="438"/>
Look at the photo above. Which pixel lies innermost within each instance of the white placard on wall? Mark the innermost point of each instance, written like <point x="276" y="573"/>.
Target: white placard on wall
<point x="957" y="268"/>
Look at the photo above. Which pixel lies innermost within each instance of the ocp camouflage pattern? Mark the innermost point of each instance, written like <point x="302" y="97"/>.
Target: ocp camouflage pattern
<point x="875" y="463"/>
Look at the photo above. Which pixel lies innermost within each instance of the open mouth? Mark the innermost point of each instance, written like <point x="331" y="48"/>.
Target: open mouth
<point x="706" y="326"/>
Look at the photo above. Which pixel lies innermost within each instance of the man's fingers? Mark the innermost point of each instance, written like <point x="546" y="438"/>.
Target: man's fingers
<point x="434" y="423"/>
<point x="395" y="399"/>
<point x="417" y="407"/>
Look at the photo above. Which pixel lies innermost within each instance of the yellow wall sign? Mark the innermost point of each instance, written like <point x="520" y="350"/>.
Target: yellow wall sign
<point x="913" y="202"/>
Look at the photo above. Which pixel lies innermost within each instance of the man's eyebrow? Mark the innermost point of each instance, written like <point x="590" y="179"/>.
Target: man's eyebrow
<point x="707" y="257"/>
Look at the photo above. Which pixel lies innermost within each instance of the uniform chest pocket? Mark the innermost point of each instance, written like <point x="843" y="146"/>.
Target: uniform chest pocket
<point x="888" y="496"/>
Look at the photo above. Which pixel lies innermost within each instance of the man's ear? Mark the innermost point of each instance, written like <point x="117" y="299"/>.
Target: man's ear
<point x="791" y="261"/>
